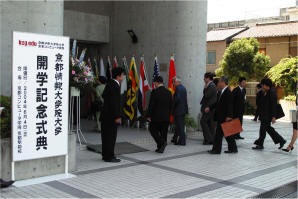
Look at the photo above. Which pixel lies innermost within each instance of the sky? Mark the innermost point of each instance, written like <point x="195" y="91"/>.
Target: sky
<point x="232" y="10"/>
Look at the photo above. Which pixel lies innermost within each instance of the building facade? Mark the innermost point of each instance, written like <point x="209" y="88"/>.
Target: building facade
<point x="163" y="28"/>
<point x="217" y="42"/>
<point x="277" y="40"/>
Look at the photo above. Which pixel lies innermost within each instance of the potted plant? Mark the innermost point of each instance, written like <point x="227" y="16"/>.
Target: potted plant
<point x="190" y="123"/>
<point x="5" y="118"/>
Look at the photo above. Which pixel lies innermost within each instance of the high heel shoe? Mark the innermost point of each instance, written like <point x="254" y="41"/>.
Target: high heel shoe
<point x="287" y="150"/>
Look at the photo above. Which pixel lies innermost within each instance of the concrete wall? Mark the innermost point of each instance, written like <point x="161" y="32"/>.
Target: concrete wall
<point x="164" y="28"/>
<point x="219" y="47"/>
<point x="92" y="7"/>
<point x="26" y="16"/>
<point x="85" y="26"/>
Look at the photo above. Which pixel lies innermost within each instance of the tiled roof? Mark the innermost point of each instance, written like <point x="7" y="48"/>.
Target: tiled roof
<point x="270" y="30"/>
<point x="223" y="34"/>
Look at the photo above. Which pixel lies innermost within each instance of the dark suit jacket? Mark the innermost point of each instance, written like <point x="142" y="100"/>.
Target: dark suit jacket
<point x="180" y="101"/>
<point x="209" y="97"/>
<point x="258" y="97"/>
<point x="111" y="106"/>
<point x="224" y="106"/>
<point x="267" y="106"/>
<point x="238" y="102"/>
<point x="160" y="105"/>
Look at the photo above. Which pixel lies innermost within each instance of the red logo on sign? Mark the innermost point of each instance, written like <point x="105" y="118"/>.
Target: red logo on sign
<point x="27" y="43"/>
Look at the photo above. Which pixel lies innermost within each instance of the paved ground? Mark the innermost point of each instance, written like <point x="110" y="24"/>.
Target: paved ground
<point x="181" y="172"/>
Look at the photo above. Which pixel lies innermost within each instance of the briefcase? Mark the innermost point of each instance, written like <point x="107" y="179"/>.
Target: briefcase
<point x="279" y="112"/>
<point x="231" y="127"/>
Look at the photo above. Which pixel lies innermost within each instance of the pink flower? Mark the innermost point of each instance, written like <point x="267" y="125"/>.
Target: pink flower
<point x="85" y="73"/>
<point x="86" y="79"/>
<point x="73" y="72"/>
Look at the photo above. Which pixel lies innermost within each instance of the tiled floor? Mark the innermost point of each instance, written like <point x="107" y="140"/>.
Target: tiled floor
<point x="181" y="172"/>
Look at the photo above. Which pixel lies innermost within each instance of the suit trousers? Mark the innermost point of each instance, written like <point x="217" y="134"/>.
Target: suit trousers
<point x="217" y="144"/>
<point x="180" y="128"/>
<point x="159" y="132"/>
<point x="266" y="127"/>
<point x="208" y="126"/>
<point x="241" y="121"/>
<point x="257" y="113"/>
<point x="108" y="138"/>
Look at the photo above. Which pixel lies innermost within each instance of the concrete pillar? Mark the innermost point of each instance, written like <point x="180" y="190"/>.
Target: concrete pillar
<point x="25" y="16"/>
<point x="165" y="28"/>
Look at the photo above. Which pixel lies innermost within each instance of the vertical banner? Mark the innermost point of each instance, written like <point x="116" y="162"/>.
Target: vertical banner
<point x="40" y="71"/>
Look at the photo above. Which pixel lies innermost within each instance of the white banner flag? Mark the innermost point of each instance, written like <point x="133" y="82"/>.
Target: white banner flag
<point x="102" y="68"/>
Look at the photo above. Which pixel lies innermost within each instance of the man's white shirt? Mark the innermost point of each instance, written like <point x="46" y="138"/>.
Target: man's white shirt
<point x="117" y="82"/>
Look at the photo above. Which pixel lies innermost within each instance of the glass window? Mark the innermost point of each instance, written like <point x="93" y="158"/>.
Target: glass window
<point x="211" y="57"/>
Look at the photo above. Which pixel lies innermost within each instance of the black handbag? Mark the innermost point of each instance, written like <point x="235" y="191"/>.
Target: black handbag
<point x="279" y="112"/>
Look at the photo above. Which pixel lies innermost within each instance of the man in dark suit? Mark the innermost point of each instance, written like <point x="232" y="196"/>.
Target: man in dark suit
<point x="223" y="113"/>
<point x="239" y="97"/>
<point x="159" y="112"/>
<point x="207" y="119"/>
<point x="179" y="112"/>
<point x="267" y="116"/>
<point x="258" y="97"/>
<point x="111" y="115"/>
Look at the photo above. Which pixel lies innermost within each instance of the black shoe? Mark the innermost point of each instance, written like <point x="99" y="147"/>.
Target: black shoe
<point x="213" y="152"/>
<point x="258" y="147"/>
<point x="231" y="151"/>
<point x="174" y="140"/>
<point x="288" y="150"/>
<point x="113" y="160"/>
<point x="162" y="148"/>
<point x="281" y="144"/>
<point x="238" y="137"/>
<point x="256" y="142"/>
<point x="4" y="184"/>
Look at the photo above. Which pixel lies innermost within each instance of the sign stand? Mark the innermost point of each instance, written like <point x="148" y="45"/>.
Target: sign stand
<point x="39" y="121"/>
<point x="75" y="96"/>
<point x="12" y="171"/>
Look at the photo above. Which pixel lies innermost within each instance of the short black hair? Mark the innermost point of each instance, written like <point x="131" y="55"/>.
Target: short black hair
<point x="242" y="79"/>
<point x="209" y="75"/>
<point x="102" y="79"/>
<point x="259" y="85"/>
<point x="215" y="81"/>
<point x="158" y="79"/>
<point x="224" y="79"/>
<point x="117" y="72"/>
<point x="267" y="82"/>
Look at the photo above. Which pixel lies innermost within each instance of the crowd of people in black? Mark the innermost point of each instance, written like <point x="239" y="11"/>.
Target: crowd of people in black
<point x="218" y="105"/>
